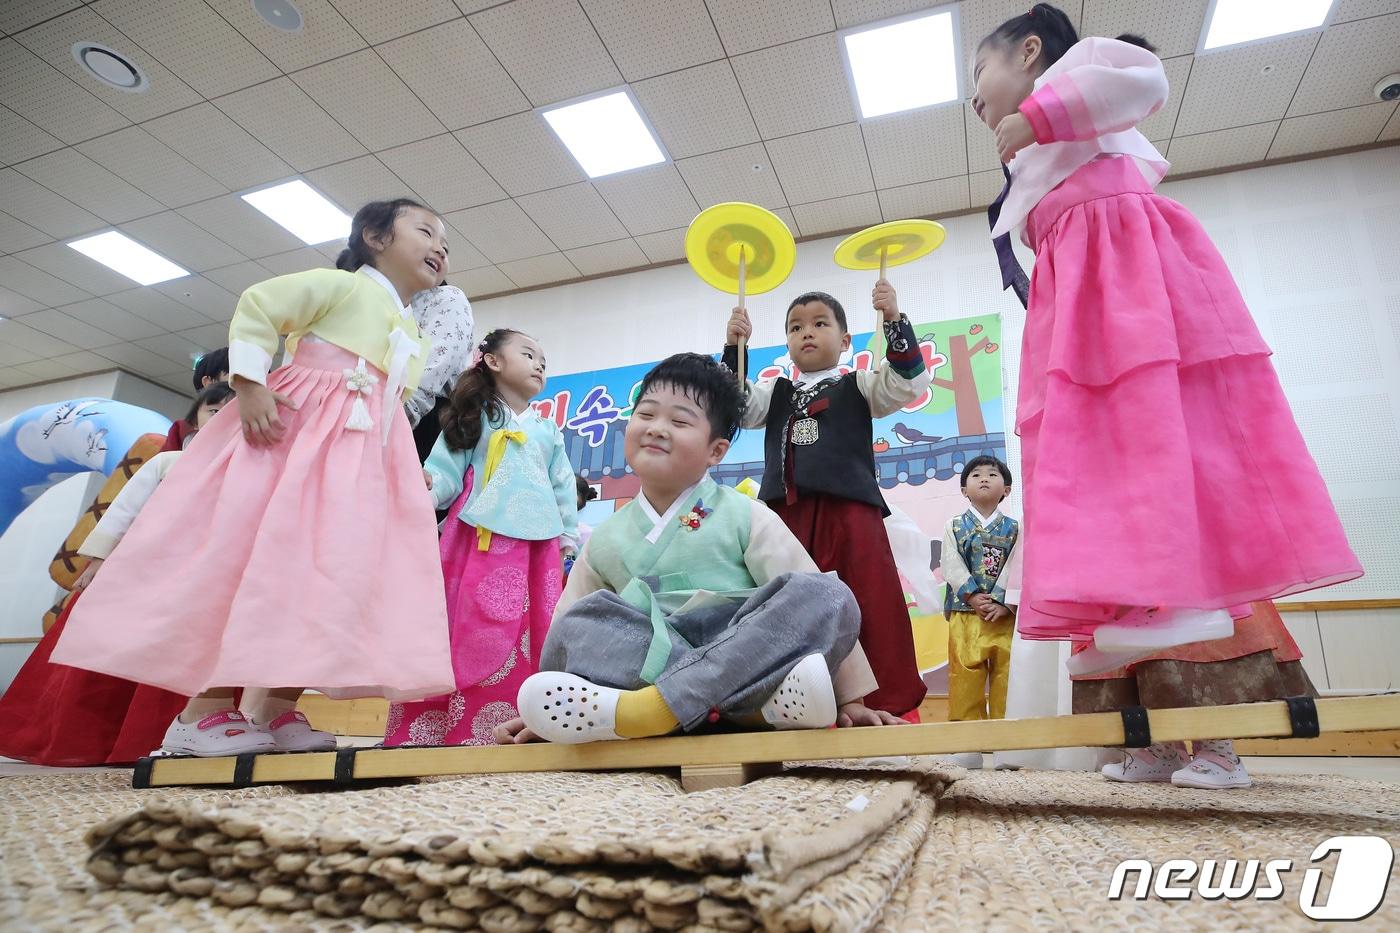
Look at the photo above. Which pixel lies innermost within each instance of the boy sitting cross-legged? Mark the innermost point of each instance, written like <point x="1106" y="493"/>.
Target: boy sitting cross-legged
<point x="693" y="602"/>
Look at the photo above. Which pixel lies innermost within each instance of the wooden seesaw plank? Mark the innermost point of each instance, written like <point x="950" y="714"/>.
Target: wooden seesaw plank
<point x="1249" y="720"/>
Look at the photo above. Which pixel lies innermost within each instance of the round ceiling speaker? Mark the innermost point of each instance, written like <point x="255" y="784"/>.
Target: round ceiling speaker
<point x="110" y="67"/>
<point x="279" y="14"/>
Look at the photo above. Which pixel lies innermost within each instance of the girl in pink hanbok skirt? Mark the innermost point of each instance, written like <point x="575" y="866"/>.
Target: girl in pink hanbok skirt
<point x="1166" y="482"/>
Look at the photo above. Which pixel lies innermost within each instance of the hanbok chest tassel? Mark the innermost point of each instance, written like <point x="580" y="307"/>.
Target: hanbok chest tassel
<point x="403" y="347"/>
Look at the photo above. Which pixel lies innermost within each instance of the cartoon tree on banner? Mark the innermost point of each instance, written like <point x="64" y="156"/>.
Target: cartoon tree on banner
<point x="973" y="369"/>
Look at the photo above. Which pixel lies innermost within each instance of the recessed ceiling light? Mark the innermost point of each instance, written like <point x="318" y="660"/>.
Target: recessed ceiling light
<point x="903" y="64"/>
<point x="1232" y="22"/>
<point x="303" y="210"/>
<point x="121" y="253"/>
<point x="606" y="133"/>
<point x="279" y="14"/>
<point x="110" y="67"/>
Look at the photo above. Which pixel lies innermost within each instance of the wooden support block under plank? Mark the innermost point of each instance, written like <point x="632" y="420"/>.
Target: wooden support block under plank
<point x="708" y="777"/>
<point x="1251" y="720"/>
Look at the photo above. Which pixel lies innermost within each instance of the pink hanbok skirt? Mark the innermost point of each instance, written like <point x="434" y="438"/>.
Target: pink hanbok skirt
<point x="311" y="563"/>
<point x="499" y="604"/>
<point x="1161" y="462"/>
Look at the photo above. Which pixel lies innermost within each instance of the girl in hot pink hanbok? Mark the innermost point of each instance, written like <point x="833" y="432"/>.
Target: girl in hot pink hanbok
<point x="1166" y="482"/>
<point x="513" y="521"/>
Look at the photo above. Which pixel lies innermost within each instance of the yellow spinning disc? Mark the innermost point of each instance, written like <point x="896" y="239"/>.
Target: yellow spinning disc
<point x="719" y="235"/>
<point x="901" y="240"/>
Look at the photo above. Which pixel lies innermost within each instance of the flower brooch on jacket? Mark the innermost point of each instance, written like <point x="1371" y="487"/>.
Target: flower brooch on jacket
<point x="691" y="519"/>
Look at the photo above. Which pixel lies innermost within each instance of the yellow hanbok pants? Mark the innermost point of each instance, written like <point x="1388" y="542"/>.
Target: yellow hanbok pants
<point x="979" y="661"/>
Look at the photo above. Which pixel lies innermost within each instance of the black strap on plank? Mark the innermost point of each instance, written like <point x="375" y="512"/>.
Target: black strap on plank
<point x="243" y="769"/>
<point x="1302" y="716"/>
<point x="141" y="776"/>
<point x="345" y="765"/>
<point x="1136" y="732"/>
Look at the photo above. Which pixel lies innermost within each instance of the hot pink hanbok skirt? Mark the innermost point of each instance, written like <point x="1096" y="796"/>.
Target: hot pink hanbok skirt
<point x="1162" y="464"/>
<point x="311" y="563"/>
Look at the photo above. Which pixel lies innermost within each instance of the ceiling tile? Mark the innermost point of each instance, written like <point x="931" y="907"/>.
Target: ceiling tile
<point x="201" y="295"/>
<point x="742" y="174"/>
<point x="137" y="359"/>
<point x="359" y="181"/>
<point x="287" y="121"/>
<point x="925" y="198"/>
<point x="573" y="216"/>
<point x="219" y="147"/>
<point x="324" y="33"/>
<point x="63" y="262"/>
<point x="108" y="318"/>
<point x="1221" y="148"/>
<point x="297" y="260"/>
<point x="540" y="270"/>
<point x="16" y="235"/>
<point x="455" y="74"/>
<point x="13" y="304"/>
<point x="146" y="162"/>
<point x="666" y="245"/>
<point x="697" y="110"/>
<point x="1337" y="129"/>
<point x="1161" y="124"/>
<point x="478" y="282"/>
<point x="745" y="26"/>
<point x="985" y="186"/>
<point x="54" y="40"/>
<point x="39" y="207"/>
<point x="36" y="343"/>
<point x="179" y="349"/>
<point x="920" y="145"/>
<point x="17" y="16"/>
<point x="1347" y="10"/>
<point x="858" y="12"/>
<point x="208" y="337"/>
<point x="379" y="22"/>
<point x="193" y="41"/>
<point x="649" y="199"/>
<point x="795" y="87"/>
<point x="42" y="370"/>
<point x="549" y="48"/>
<point x="79" y="179"/>
<point x="83" y="363"/>
<point x="819" y="165"/>
<point x="239" y="276"/>
<point x="1246" y="85"/>
<point x="850" y="212"/>
<point x="607" y="257"/>
<point x="241" y="226"/>
<point x="461" y="253"/>
<point x="20" y="139"/>
<point x="180" y="240"/>
<point x="179" y="383"/>
<point x="1350" y="58"/>
<point x="1392" y="129"/>
<point x="157" y="308"/>
<point x="369" y="100"/>
<point x="31" y="88"/>
<point x="522" y="154"/>
<point x="502" y="231"/>
<point x="648" y="39"/>
<point x="78" y="333"/>
<point x="1175" y="28"/>
<point x="443" y="172"/>
<point x="36" y="284"/>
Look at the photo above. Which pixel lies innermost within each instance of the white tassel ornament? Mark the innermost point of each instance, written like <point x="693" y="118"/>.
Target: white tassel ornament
<point x="361" y="382"/>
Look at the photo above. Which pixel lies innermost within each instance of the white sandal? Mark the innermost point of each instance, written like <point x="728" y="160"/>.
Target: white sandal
<point x="565" y="708"/>
<point x="805" y="699"/>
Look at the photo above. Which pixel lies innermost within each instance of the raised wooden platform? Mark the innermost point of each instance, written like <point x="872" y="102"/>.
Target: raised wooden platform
<point x="1252" y="720"/>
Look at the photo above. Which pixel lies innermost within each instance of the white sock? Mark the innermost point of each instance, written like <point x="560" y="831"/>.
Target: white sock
<point x="199" y="707"/>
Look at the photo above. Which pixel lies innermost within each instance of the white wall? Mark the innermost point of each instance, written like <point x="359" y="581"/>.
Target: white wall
<point x="1315" y="247"/>
<point x="29" y="544"/>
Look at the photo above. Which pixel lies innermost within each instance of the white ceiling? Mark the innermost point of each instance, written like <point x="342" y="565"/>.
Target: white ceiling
<point x="436" y="98"/>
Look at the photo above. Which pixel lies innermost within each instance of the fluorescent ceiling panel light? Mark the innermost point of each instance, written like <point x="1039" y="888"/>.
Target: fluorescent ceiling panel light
<point x="605" y="134"/>
<point x="302" y="210"/>
<point x="1232" y="22"/>
<point x="903" y="65"/>
<point x="121" y="253"/>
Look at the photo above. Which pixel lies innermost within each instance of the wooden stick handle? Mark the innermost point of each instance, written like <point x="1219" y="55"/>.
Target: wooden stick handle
<point x="743" y="342"/>
<point x="876" y="340"/>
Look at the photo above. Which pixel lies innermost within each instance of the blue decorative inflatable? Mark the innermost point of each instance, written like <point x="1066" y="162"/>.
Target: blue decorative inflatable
<point x="49" y="443"/>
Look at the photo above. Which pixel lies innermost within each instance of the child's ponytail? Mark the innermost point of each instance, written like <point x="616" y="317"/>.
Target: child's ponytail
<point x="474" y="393"/>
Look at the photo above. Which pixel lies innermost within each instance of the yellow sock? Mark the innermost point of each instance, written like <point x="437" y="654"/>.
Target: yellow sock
<point x="643" y="713"/>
